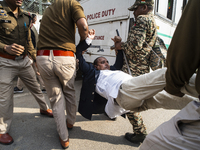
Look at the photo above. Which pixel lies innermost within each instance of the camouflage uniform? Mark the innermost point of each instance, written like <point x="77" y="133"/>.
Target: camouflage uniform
<point x="158" y="55"/>
<point x="141" y="38"/>
<point x="142" y="52"/>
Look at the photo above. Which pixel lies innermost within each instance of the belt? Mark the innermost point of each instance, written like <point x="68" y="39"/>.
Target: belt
<point x="55" y="53"/>
<point x="12" y="56"/>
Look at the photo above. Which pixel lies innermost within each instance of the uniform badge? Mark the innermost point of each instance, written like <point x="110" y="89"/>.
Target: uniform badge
<point x="3" y="14"/>
<point x="143" y="2"/>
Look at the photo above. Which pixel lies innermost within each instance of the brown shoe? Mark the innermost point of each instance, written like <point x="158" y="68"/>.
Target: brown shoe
<point x="6" y="139"/>
<point x="64" y="144"/>
<point x="69" y="126"/>
<point x="47" y="112"/>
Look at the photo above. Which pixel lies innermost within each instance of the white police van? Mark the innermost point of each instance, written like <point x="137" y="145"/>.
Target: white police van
<point x="107" y="16"/>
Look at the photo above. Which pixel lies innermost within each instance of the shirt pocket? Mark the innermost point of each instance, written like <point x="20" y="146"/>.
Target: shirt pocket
<point x="7" y="28"/>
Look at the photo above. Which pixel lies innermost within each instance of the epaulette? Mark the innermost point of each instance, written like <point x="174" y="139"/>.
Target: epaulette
<point x="26" y="13"/>
<point x="1" y="7"/>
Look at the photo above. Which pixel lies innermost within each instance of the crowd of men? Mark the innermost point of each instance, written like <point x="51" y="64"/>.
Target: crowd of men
<point x="127" y="87"/>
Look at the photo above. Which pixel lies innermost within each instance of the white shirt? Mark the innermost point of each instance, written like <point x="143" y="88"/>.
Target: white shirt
<point x="107" y="86"/>
<point x="37" y="27"/>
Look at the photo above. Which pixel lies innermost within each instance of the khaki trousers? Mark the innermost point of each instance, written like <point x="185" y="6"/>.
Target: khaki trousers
<point x="146" y="92"/>
<point x="20" y="84"/>
<point x="58" y="74"/>
<point x="181" y="132"/>
<point x="38" y="76"/>
<point x="9" y="69"/>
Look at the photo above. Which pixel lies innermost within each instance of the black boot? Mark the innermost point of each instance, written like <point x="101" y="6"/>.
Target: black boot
<point x="135" y="138"/>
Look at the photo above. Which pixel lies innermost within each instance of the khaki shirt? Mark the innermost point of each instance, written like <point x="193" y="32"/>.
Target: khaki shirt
<point x="15" y="30"/>
<point x="57" y="28"/>
<point x="183" y="55"/>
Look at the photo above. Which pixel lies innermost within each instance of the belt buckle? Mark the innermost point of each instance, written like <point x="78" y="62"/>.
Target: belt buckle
<point x="19" y="57"/>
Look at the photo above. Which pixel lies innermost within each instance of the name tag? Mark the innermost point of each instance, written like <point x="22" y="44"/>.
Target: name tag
<point x="5" y="21"/>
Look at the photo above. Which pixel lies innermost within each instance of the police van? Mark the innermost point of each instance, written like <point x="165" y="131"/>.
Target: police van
<point x="107" y="16"/>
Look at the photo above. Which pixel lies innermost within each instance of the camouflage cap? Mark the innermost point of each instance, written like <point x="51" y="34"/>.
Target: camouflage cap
<point x="140" y="2"/>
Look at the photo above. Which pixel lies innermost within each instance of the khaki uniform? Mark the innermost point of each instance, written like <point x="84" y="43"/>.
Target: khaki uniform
<point x="15" y="30"/>
<point x="184" y="51"/>
<point x="140" y="56"/>
<point x="57" y="34"/>
<point x="20" y="84"/>
<point x="183" y="57"/>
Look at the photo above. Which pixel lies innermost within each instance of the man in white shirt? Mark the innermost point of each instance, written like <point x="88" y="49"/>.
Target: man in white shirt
<point x="123" y="92"/>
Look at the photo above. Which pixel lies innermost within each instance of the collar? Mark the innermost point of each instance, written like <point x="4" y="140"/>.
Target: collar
<point x="150" y="13"/>
<point x="21" y="12"/>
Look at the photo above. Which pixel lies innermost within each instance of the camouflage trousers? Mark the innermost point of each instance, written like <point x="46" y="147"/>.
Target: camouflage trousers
<point x="136" y="120"/>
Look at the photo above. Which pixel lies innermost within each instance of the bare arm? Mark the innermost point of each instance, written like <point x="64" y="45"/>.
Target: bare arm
<point x="82" y="28"/>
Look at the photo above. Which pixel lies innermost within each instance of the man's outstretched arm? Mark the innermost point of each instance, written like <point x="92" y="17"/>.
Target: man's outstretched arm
<point x="82" y="46"/>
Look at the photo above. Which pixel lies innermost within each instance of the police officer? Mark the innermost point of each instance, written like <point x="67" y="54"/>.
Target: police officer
<point x="57" y="62"/>
<point x="138" y="51"/>
<point x="15" y="44"/>
<point x="183" y="57"/>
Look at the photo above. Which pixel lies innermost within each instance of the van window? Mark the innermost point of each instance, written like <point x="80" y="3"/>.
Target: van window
<point x="165" y="8"/>
<point x="170" y="10"/>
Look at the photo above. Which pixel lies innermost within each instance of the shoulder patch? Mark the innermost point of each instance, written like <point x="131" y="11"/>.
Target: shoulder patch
<point x="3" y="14"/>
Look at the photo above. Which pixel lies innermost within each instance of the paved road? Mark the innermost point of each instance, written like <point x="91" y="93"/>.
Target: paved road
<point x="31" y="131"/>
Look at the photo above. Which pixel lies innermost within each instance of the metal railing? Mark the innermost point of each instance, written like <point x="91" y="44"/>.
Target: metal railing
<point x="36" y="6"/>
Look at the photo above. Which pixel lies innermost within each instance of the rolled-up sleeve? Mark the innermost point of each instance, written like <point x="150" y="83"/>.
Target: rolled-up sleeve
<point x="77" y="11"/>
<point x="183" y="57"/>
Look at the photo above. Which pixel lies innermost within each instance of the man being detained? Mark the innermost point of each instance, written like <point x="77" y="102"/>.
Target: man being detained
<point x="120" y="92"/>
